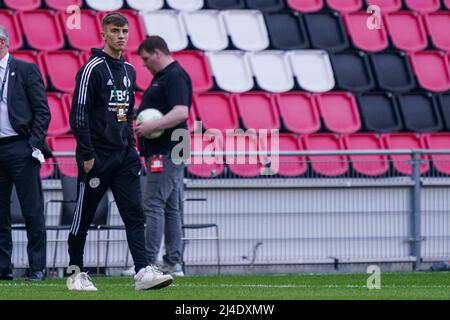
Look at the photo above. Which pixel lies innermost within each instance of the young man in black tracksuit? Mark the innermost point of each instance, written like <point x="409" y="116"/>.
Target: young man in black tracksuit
<point x="101" y="119"/>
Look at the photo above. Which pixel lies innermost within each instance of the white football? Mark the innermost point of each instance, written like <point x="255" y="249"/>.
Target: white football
<point x="150" y="115"/>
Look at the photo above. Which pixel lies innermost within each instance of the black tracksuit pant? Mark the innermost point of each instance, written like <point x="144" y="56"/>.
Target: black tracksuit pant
<point x="120" y="171"/>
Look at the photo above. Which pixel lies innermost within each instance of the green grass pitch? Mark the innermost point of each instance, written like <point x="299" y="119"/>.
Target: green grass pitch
<point x="400" y="286"/>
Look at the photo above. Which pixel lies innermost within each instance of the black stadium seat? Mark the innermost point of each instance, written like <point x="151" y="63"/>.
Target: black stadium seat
<point x="225" y="4"/>
<point x="352" y="71"/>
<point x="286" y="31"/>
<point x="380" y="112"/>
<point x="444" y="103"/>
<point x="266" y="5"/>
<point x="326" y="31"/>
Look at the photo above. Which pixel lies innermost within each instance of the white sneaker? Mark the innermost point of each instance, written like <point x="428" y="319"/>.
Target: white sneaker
<point x="129" y="272"/>
<point x="151" y="278"/>
<point x="175" y="270"/>
<point x="80" y="282"/>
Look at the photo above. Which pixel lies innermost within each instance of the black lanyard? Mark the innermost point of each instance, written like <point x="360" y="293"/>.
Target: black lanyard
<point x="2" y="89"/>
<point x="114" y="82"/>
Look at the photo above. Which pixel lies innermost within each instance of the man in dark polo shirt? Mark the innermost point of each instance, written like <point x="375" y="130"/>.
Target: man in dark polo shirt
<point x="171" y="93"/>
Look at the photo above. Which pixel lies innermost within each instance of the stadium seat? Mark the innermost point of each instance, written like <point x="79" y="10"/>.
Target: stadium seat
<point x="380" y="112"/>
<point x="206" y="30"/>
<point x="285" y="166"/>
<point x="444" y="103"/>
<point x="143" y="75"/>
<point x="243" y="166"/>
<point x="271" y="70"/>
<point x="423" y="6"/>
<point x="287" y="31"/>
<point x="246" y="29"/>
<point x="420" y="112"/>
<point x="145" y="5"/>
<point x="305" y="5"/>
<point x="368" y="165"/>
<point x="432" y="70"/>
<point x="183" y="5"/>
<point x="11" y="22"/>
<point x="167" y="24"/>
<point x="136" y="27"/>
<point x="438" y="24"/>
<point x="231" y="70"/>
<point x="79" y="38"/>
<point x="196" y="65"/>
<point x="407" y="30"/>
<point x="59" y="123"/>
<point x="225" y="4"/>
<point x="67" y="143"/>
<point x="206" y="167"/>
<point x="298" y="111"/>
<point x="47" y="169"/>
<point x="326" y="165"/>
<point x="406" y="141"/>
<point x="312" y="69"/>
<point x="326" y="31"/>
<point x="266" y="5"/>
<point x="393" y="72"/>
<point x="352" y="71"/>
<point x="362" y="37"/>
<point x="62" y="5"/>
<point x="386" y="6"/>
<point x="339" y="111"/>
<point x="39" y="22"/>
<point x="446" y="4"/>
<point x="23" y="5"/>
<point x="101" y="5"/>
<point x="345" y="5"/>
<point x="69" y="61"/>
<point x="216" y="110"/>
<point x="256" y="110"/>
<point x="441" y="162"/>
<point x="33" y="57"/>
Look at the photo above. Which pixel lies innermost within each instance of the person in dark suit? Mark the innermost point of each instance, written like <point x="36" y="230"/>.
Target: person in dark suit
<point x="24" y="120"/>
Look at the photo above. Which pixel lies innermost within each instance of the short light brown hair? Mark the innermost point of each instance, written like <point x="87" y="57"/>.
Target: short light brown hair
<point x="114" y="18"/>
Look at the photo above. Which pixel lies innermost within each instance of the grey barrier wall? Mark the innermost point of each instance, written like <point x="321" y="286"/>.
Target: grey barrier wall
<point x="312" y="218"/>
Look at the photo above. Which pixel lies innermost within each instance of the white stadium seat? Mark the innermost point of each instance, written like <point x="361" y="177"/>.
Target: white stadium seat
<point x="313" y="70"/>
<point x="231" y="70"/>
<point x="185" y="5"/>
<point x="272" y="70"/>
<point x="168" y="25"/>
<point x="247" y="29"/>
<point x="206" y="30"/>
<point x="102" y="5"/>
<point x="146" y="5"/>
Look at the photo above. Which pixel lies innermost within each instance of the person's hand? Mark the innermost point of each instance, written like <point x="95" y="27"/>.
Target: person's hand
<point x="88" y="165"/>
<point x="145" y="128"/>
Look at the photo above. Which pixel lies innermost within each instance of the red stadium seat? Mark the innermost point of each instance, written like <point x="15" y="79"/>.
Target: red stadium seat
<point x="206" y="167"/>
<point x="47" y="169"/>
<point x="256" y="110"/>
<point x="306" y="5"/>
<point x="447" y="3"/>
<point x="298" y="111"/>
<point x="423" y="6"/>
<point x="439" y="141"/>
<point x="62" y="5"/>
<point x="11" y="22"/>
<point x="326" y="165"/>
<point x="432" y="70"/>
<point x="69" y="61"/>
<point x="216" y="110"/>
<point x="136" y="27"/>
<point x="196" y="65"/>
<point x="88" y="35"/>
<point x="339" y="111"/>
<point x="33" y="57"/>
<point x="386" y="5"/>
<point x="407" y="30"/>
<point x="345" y="5"/>
<point x="287" y="166"/>
<point x="408" y="141"/>
<point x="42" y="29"/>
<point x="370" y="165"/>
<point x="143" y="75"/>
<point x="244" y="166"/>
<point x="438" y="24"/>
<point x="363" y="37"/>
<point x="23" y="5"/>
<point x="59" y="123"/>
<point x="67" y="165"/>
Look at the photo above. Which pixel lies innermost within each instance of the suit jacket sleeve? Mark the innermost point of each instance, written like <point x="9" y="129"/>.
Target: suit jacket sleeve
<point x="37" y="96"/>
